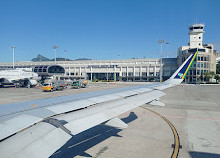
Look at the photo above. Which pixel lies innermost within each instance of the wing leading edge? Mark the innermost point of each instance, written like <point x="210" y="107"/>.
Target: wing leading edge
<point x="43" y="138"/>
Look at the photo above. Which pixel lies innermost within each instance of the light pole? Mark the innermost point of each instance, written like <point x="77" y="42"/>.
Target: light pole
<point x="167" y="47"/>
<point x="55" y="52"/>
<point x="161" y="69"/>
<point x="13" y="50"/>
<point x="65" y="51"/>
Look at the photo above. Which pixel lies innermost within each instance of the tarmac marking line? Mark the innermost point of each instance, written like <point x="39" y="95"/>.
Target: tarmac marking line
<point x="84" y="141"/>
<point x="183" y="117"/>
<point x="176" y="136"/>
<point x="108" y="130"/>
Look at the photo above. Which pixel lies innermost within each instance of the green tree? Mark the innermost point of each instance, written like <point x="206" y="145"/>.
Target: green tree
<point x="212" y="74"/>
<point x="207" y="76"/>
<point x="217" y="77"/>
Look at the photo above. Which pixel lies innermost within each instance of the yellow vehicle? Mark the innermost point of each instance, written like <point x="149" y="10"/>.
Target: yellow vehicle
<point x="47" y="87"/>
<point x="52" y="86"/>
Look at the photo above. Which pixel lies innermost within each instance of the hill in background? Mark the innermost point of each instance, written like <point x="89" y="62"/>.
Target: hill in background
<point x="42" y="58"/>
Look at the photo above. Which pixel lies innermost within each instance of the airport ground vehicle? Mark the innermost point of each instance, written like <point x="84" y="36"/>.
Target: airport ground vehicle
<point x="79" y="84"/>
<point x="55" y="85"/>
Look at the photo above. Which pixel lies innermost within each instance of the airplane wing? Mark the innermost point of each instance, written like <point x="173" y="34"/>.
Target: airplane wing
<point x="12" y="80"/>
<point x="18" y="79"/>
<point x="38" y="128"/>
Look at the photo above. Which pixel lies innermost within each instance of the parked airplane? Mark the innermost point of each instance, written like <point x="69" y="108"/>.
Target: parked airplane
<point x="18" y="77"/>
<point x="38" y="128"/>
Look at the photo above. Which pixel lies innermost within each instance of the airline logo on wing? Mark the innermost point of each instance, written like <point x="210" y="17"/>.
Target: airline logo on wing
<point x="182" y="73"/>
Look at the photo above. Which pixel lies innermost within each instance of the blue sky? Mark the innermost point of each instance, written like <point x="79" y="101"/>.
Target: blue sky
<point x="102" y="29"/>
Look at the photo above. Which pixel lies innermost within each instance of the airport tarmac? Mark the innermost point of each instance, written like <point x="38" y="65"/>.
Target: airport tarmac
<point x="193" y="110"/>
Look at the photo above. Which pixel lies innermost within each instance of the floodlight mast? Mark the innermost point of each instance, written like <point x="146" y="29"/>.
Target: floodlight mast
<point x="161" y="68"/>
<point x="167" y="48"/>
<point x="13" y="51"/>
<point x="65" y="51"/>
<point x="55" y="52"/>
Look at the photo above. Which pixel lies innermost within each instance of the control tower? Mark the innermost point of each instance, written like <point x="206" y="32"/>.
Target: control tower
<point x="196" y="35"/>
<point x="206" y="57"/>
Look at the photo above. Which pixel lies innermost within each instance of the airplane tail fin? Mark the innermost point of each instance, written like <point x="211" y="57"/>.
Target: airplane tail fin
<point x="181" y="72"/>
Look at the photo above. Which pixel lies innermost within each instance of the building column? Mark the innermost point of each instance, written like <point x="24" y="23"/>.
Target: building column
<point x="134" y="73"/>
<point x="141" y="73"/>
<point x="148" y="73"/>
<point x="114" y="73"/>
<point x="69" y="71"/>
<point x="91" y="73"/>
<point x="127" y="73"/>
<point x="120" y="74"/>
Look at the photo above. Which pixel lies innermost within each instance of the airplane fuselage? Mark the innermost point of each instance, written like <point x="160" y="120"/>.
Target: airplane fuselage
<point x="18" y="76"/>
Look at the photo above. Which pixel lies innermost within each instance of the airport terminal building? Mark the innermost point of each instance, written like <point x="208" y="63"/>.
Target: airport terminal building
<point x="117" y="70"/>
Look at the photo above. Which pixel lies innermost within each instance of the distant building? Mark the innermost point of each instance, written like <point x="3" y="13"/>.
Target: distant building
<point x="206" y="58"/>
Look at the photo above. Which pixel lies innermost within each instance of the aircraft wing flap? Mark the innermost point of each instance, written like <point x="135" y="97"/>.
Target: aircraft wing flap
<point x="142" y="90"/>
<point x="17" y="123"/>
<point x="40" y="140"/>
<point x="91" y="117"/>
<point x="117" y="123"/>
<point x="126" y="93"/>
<point x="104" y="98"/>
<point x="70" y="106"/>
